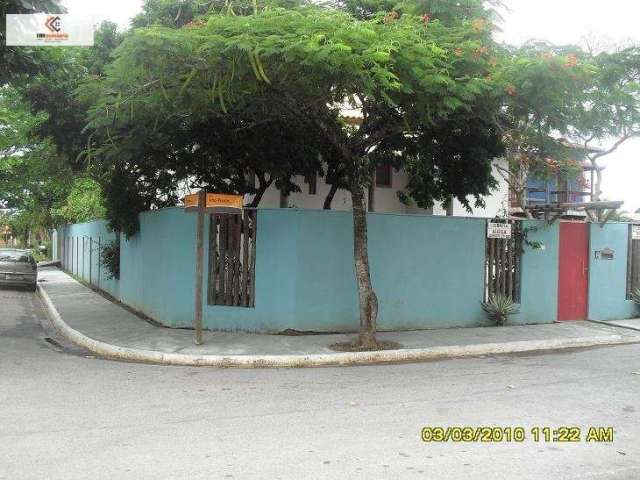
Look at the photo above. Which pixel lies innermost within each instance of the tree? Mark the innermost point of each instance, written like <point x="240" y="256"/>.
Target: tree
<point x="83" y="203"/>
<point x="406" y="72"/>
<point x="611" y="113"/>
<point x="541" y="89"/>
<point x="33" y="178"/>
<point x="54" y="90"/>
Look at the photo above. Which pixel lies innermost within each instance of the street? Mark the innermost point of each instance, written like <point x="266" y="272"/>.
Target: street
<point x="67" y="415"/>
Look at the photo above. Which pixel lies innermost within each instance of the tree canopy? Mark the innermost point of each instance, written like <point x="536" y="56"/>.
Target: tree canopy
<point x="413" y="78"/>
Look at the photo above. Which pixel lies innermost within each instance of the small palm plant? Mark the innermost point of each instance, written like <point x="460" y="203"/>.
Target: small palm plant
<point x="499" y="307"/>
<point x="635" y="296"/>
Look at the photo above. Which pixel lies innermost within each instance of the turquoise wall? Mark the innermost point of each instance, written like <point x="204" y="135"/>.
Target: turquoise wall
<point x="539" y="278"/>
<point x="93" y="233"/>
<point x="428" y="272"/>
<point x="608" y="278"/>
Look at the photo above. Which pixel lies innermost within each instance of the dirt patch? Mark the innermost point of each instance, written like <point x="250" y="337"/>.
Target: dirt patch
<point x="355" y="347"/>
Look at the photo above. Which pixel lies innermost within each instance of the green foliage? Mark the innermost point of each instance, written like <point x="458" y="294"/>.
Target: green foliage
<point x="83" y="203"/>
<point x="613" y="109"/>
<point x="170" y="89"/>
<point x="449" y="12"/>
<point x="65" y="89"/>
<point x="110" y="259"/>
<point x="32" y="177"/>
<point x="499" y="307"/>
<point x="178" y="13"/>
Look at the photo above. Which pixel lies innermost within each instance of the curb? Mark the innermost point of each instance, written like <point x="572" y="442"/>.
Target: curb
<point x="106" y="350"/>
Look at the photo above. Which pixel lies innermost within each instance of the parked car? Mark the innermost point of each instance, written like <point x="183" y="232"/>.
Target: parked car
<point x="18" y="268"/>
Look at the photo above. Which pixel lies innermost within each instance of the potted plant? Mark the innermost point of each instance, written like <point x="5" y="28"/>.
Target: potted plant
<point x="499" y="307"/>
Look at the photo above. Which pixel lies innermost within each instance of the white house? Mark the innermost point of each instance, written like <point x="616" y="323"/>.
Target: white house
<point x="388" y="184"/>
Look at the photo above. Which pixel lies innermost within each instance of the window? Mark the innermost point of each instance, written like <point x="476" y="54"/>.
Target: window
<point x="313" y="184"/>
<point x="633" y="260"/>
<point x="15" y="256"/>
<point x="383" y="176"/>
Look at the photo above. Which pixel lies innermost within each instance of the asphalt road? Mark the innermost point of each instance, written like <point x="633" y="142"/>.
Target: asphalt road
<point x="66" y="415"/>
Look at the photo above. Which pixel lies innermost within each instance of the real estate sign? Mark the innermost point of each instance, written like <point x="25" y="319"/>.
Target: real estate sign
<point x="498" y="230"/>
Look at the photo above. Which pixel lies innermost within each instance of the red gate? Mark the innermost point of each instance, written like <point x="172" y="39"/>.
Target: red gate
<point x="573" y="279"/>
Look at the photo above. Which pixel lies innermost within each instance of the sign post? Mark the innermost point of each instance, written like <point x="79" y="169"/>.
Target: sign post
<point x="199" y="266"/>
<point x="205" y="203"/>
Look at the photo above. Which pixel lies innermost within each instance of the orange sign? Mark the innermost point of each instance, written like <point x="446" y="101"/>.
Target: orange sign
<point x="215" y="201"/>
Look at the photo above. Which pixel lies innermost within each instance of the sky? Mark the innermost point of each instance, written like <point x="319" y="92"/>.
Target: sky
<point x="557" y="21"/>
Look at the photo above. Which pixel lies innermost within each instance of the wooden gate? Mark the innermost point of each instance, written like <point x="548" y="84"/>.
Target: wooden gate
<point x="503" y="264"/>
<point x="232" y="254"/>
<point x="633" y="262"/>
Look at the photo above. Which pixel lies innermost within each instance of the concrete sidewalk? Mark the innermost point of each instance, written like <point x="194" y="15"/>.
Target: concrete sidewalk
<point x="109" y="330"/>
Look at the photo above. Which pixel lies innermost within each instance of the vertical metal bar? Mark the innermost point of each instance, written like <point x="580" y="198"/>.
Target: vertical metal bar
<point x="213" y="233"/>
<point x="485" y="293"/>
<point x="245" y="257"/>
<point x="629" y="261"/>
<point x="635" y="280"/>
<point x="90" y="260"/>
<point x="99" y="260"/>
<point x="222" y="260"/>
<point x="491" y="281"/>
<point x="83" y="254"/>
<point x="503" y="266"/>
<point x="510" y="266"/>
<point x="238" y="250"/>
<point x="497" y="260"/>
<point x="254" y="223"/>
<point x="199" y="261"/>
<point x="231" y="243"/>
<point x="232" y="260"/>
<point x="500" y="269"/>
<point x="518" y="262"/>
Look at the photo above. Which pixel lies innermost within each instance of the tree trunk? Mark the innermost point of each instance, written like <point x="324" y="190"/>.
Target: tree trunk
<point x="259" y="193"/>
<point x="449" y="206"/>
<point x="372" y="197"/>
<point x="329" y="198"/>
<point x="598" y="186"/>
<point x="284" y="200"/>
<point x="522" y="203"/>
<point x="367" y="297"/>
